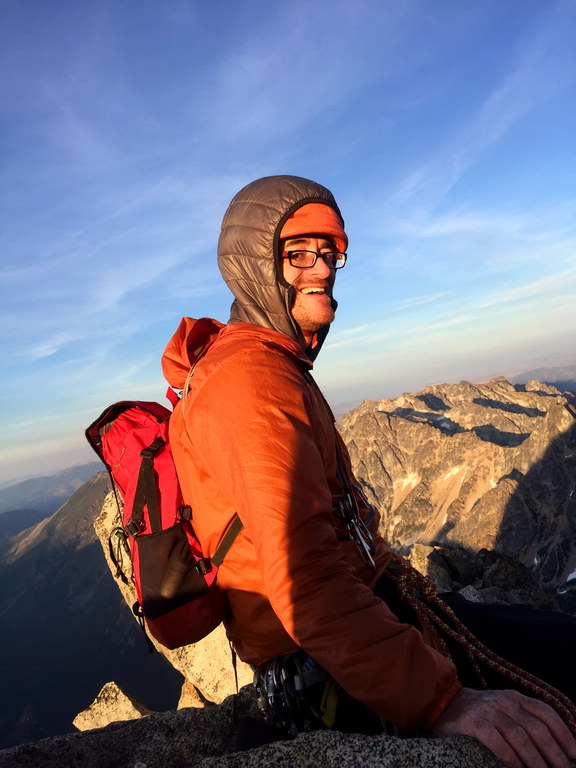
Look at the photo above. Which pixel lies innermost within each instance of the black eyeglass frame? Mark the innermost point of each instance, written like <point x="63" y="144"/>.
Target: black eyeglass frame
<point x="289" y="255"/>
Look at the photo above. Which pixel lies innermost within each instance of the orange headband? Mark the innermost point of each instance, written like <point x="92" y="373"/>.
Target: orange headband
<point x="316" y="219"/>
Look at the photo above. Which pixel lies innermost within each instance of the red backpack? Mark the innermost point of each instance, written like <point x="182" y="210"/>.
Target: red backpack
<point x="178" y="596"/>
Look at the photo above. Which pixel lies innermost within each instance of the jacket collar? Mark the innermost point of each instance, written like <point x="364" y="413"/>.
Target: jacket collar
<point x="193" y="338"/>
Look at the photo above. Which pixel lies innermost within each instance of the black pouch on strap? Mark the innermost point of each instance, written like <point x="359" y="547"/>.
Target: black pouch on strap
<point x="168" y="571"/>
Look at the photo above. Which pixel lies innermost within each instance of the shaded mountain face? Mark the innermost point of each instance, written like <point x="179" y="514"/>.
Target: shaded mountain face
<point x="480" y="466"/>
<point x="14" y="522"/>
<point x="65" y="629"/>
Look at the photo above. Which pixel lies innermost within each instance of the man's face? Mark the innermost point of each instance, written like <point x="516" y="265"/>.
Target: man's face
<point x="312" y="308"/>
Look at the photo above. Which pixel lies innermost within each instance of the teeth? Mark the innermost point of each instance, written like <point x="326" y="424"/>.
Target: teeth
<point x="312" y="290"/>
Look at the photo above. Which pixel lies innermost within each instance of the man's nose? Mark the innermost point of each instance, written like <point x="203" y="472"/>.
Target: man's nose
<point x="321" y="268"/>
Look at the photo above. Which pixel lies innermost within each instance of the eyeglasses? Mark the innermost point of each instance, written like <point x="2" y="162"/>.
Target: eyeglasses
<point x="307" y="259"/>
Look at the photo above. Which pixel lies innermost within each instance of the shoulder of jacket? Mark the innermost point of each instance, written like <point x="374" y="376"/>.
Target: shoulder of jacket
<point x="245" y="357"/>
<point x="252" y="341"/>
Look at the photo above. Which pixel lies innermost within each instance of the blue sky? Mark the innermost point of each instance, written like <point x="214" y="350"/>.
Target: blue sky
<point x="445" y="128"/>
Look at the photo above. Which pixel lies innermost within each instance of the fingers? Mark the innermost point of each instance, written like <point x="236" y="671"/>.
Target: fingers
<point x="518" y="730"/>
<point x="529" y="743"/>
<point x="553" y="722"/>
<point x="511" y="752"/>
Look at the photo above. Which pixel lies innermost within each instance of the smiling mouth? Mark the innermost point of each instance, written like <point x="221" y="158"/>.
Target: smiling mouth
<point x="312" y="290"/>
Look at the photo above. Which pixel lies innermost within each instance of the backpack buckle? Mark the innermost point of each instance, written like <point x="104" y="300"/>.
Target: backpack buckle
<point x="133" y="527"/>
<point x="184" y="513"/>
<point x="204" y="566"/>
<point x="152" y="449"/>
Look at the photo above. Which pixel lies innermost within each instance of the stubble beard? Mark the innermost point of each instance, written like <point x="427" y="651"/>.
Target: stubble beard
<point x="311" y="318"/>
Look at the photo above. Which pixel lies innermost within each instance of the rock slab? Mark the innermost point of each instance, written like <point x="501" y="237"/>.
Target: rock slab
<point x="205" y="738"/>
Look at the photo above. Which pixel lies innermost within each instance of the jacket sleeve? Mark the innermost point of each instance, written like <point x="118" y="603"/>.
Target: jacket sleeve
<point x="261" y="448"/>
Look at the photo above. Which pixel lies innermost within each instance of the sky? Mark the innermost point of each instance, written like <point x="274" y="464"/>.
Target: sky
<point x="445" y="129"/>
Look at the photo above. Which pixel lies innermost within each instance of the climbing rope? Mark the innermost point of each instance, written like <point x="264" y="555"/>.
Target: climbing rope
<point x="437" y="617"/>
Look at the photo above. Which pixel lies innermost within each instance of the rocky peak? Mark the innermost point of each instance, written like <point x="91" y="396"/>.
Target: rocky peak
<point x="481" y="466"/>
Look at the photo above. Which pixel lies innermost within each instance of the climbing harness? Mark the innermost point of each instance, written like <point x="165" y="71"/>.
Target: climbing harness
<point x="294" y="690"/>
<point x="297" y="694"/>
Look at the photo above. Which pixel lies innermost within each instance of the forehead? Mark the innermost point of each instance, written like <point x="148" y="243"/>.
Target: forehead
<point x="305" y="241"/>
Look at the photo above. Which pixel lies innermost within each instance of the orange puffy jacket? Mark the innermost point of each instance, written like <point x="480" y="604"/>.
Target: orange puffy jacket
<point x="254" y="437"/>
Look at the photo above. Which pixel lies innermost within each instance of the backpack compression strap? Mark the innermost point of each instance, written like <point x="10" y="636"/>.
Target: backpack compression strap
<point x="146" y="492"/>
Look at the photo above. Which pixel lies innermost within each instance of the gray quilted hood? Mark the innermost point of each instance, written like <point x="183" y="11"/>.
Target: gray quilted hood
<point x="249" y="250"/>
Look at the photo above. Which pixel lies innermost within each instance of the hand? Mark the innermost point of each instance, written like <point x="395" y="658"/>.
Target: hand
<point x="519" y="730"/>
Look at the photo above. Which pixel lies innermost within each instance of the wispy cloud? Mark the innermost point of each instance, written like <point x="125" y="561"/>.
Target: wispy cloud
<point x="519" y="304"/>
<point x="418" y="301"/>
<point x="546" y="289"/>
<point x="87" y="284"/>
<point x="527" y="86"/>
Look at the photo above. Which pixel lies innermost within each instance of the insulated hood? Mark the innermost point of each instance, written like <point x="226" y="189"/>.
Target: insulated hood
<point x="249" y="250"/>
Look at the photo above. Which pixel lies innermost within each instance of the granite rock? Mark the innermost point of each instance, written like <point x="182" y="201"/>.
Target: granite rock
<point x="111" y="705"/>
<point x="206" y="738"/>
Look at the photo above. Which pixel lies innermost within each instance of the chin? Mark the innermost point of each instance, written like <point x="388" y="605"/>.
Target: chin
<point x="311" y="318"/>
<point x="313" y="324"/>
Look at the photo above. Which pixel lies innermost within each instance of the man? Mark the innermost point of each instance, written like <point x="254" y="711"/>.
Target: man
<point x="255" y="437"/>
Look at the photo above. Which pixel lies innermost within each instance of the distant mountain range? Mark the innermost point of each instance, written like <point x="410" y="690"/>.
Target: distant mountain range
<point x="26" y="503"/>
<point x="47" y="493"/>
<point x="562" y="377"/>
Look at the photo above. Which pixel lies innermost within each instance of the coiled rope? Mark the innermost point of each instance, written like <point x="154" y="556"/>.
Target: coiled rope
<point x="437" y="617"/>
